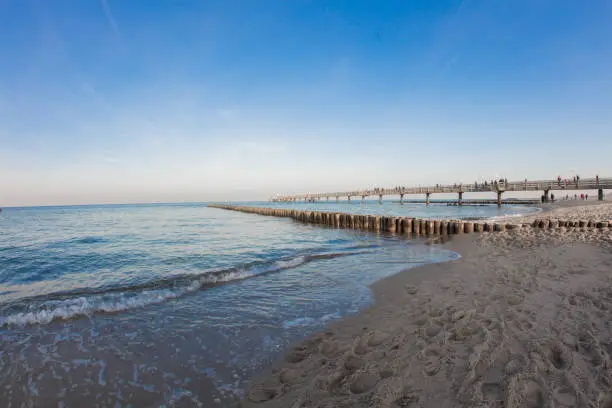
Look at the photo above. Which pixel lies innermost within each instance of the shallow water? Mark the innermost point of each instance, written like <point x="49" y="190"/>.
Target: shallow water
<point x="153" y="304"/>
<point x="407" y="209"/>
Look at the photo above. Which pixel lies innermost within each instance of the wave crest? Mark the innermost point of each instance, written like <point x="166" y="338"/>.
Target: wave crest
<point x="70" y="305"/>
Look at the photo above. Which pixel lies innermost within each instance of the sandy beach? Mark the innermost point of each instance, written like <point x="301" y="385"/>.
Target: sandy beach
<point x="521" y="320"/>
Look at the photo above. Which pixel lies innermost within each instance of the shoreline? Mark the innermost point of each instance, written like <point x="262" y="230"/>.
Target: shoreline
<point x="518" y="311"/>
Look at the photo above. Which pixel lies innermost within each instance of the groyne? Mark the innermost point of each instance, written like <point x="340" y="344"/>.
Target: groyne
<point x="407" y="225"/>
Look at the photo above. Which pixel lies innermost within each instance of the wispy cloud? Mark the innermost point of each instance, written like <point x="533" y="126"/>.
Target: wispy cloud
<point x="112" y="22"/>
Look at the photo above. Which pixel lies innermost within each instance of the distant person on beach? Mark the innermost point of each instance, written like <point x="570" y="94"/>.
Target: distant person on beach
<point x="586" y="196"/>
<point x="552" y="197"/>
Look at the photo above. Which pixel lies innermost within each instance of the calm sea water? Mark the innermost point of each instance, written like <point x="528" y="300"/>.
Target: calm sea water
<point x="153" y="305"/>
<point x="417" y="210"/>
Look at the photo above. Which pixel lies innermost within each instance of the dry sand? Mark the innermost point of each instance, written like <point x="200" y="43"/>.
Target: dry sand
<point x="522" y="320"/>
<point x="572" y="211"/>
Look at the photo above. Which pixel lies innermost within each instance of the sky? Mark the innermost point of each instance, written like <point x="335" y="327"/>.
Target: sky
<point x="109" y="101"/>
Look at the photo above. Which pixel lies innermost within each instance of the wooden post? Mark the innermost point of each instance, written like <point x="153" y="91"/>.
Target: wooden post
<point x="499" y="198"/>
<point x="460" y="201"/>
<point x="427" y="198"/>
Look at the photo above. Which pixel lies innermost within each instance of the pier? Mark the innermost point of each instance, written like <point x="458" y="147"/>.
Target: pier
<point x="498" y="187"/>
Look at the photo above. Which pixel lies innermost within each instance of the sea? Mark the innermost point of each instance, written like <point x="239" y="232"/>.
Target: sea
<point x="163" y="305"/>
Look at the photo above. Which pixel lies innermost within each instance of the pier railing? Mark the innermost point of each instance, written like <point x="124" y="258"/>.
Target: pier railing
<point x="498" y="187"/>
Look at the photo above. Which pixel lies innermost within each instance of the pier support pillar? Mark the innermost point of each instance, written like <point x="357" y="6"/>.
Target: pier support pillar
<point x="546" y="196"/>
<point x="327" y="198"/>
<point x="460" y="200"/>
<point x="380" y="199"/>
<point x="499" y="198"/>
<point x="337" y="198"/>
<point x="600" y="195"/>
<point x="401" y="199"/>
<point x="362" y="199"/>
<point x="349" y="199"/>
<point x="427" y="198"/>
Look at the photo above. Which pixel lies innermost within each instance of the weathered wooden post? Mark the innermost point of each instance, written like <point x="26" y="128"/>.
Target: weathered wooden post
<point x="499" y="198"/>
<point x="390" y="224"/>
<point x="443" y="227"/>
<point x="407" y="225"/>
<point x="468" y="227"/>
<point x="460" y="201"/>
<point x="416" y="226"/>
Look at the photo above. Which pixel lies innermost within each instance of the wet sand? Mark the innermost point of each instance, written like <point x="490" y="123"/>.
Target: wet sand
<point x="521" y="320"/>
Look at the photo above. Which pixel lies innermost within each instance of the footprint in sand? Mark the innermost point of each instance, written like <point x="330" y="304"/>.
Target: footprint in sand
<point x="330" y="348"/>
<point x="405" y="400"/>
<point x="289" y="376"/>
<point x="411" y="289"/>
<point x="515" y="299"/>
<point x="364" y="382"/>
<point x="492" y="392"/>
<point x="432" y="330"/>
<point x="516" y="364"/>
<point x="565" y="397"/>
<point x="421" y="320"/>
<point x="559" y="356"/>
<point x="376" y="338"/>
<point x="353" y="363"/>
<point x="262" y="393"/>
<point x="526" y="394"/>
<point x="393" y="393"/>
<point x="432" y="366"/>
<point x="297" y="355"/>
<point x="369" y="341"/>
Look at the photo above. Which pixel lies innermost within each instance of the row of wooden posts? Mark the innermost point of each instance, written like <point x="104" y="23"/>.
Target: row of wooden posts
<point x="406" y="225"/>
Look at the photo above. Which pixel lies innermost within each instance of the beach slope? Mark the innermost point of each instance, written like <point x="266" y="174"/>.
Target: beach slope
<point x="521" y="320"/>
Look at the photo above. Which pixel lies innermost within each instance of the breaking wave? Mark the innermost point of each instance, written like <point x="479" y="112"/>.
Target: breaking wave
<point x="68" y="305"/>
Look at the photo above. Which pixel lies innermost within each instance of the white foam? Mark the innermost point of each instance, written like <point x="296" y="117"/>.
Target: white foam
<point x="87" y="306"/>
<point x="117" y="302"/>
<point x="310" y="321"/>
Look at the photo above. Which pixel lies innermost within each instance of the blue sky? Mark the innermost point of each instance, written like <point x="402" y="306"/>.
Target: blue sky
<point x="144" y="101"/>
